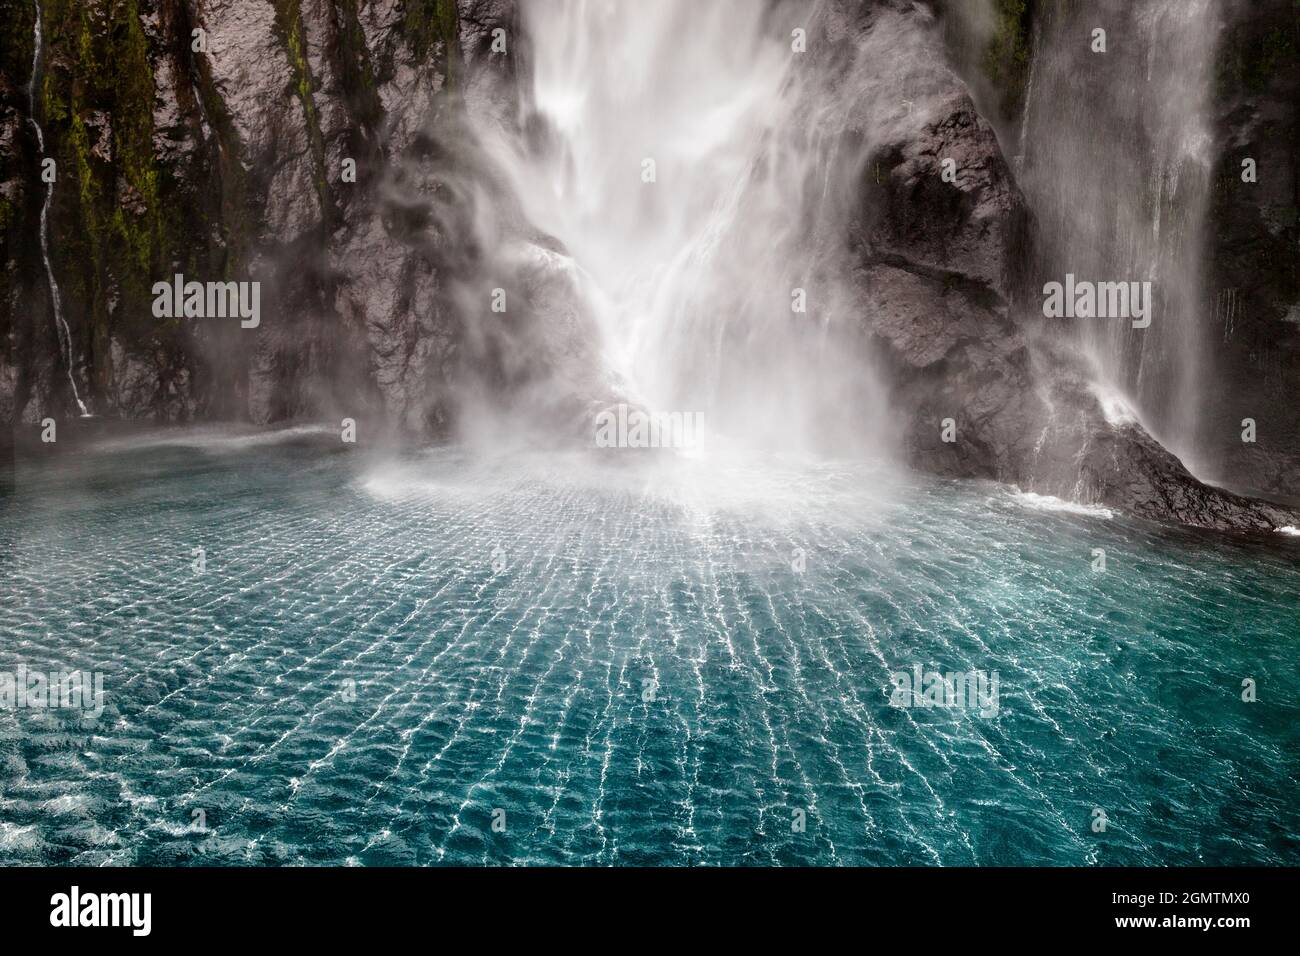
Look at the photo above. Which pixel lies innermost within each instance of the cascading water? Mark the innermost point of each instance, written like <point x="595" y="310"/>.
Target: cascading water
<point x="1118" y="157"/>
<point x="688" y="169"/>
<point x="61" y="325"/>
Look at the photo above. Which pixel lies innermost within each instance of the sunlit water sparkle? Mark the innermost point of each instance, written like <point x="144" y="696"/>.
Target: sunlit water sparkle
<point x="523" y="686"/>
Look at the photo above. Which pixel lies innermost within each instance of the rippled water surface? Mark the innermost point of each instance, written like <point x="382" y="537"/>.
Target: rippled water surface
<point x="628" y="664"/>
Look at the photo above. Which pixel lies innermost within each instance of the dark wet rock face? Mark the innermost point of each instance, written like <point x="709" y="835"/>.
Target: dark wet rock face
<point x="227" y="162"/>
<point x="969" y="228"/>
<point x="1125" y="466"/>
<point x="1254" y="253"/>
<point x="959" y="338"/>
<point x="937" y="277"/>
<point x="950" y="358"/>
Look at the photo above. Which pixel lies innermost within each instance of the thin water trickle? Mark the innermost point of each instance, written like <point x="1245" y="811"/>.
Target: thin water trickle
<point x="61" y="325"/>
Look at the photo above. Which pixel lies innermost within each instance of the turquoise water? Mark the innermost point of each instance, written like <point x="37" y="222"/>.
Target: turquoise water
<point x="655" y="661"/>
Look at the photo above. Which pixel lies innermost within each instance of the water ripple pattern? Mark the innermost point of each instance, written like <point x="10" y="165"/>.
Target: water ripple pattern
<point x="438" y="659"/>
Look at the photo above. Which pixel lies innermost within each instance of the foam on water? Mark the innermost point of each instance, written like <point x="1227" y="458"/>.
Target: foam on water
<point x="726" y="478"/>
<point x="215" y="438"/>
<point x="1039" y="502"/>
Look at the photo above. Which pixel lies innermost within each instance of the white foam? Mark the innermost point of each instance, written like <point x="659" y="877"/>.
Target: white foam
<point x="1289" y="529"/>
<point x="13" y="837"/>
<point x="1039" y="502"/>
<point x="1114" y="408"/>
<point x="210" y="438"/>
<point x="75" y="804"/>
<point x="781" y="489"/>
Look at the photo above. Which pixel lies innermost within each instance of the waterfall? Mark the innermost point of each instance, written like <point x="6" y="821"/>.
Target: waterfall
<point x="60" y="324"/>
<point x="686" y="162"/>
<point x="1118" y="160"/>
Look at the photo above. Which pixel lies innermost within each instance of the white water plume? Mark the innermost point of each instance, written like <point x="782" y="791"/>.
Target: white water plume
<point x="680" y="153"/>
<point x="1119" y="156"/>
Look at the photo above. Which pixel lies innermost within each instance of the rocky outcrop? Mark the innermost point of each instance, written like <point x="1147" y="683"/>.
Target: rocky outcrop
<point x="983" y="387"/>
<point x="1124" y="466"/>
<point x="317" y="147"/>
